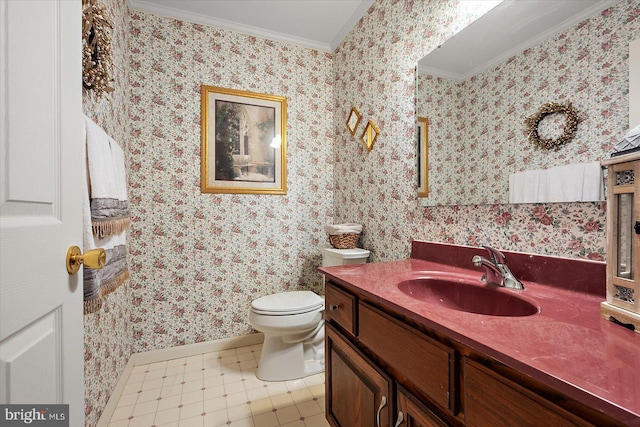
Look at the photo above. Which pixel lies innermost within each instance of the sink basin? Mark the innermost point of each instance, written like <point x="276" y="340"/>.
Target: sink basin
<point x="468" y="295"/>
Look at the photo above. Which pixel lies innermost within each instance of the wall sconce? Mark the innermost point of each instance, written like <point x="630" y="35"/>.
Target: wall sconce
<point x="369" y="135"/>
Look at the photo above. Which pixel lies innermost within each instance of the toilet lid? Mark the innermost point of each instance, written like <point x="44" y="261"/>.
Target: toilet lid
<point x="294" y="302"/>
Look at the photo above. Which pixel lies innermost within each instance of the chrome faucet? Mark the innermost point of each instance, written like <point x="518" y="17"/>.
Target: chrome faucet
<point x="496" y="271"/>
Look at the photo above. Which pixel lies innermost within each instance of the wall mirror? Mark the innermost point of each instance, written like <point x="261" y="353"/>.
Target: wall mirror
<point x="479" y="86"/>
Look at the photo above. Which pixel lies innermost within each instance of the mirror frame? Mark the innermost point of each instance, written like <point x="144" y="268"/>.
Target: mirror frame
<point x="422" y="142"/>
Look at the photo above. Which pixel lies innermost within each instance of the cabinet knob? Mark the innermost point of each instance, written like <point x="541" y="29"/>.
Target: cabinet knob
<point x="637" y="227"/>
<point x="333" y="307"/>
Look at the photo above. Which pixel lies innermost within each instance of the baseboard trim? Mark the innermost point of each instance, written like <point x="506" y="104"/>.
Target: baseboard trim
<point x="154" y="356"/>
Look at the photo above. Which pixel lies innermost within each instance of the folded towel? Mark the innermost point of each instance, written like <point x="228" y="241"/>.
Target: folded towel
<point x="349" y="228"/>
<point x="109" y="178"/>
<point x="564" y="183"/>
<point x="92" y="300"/>
<point x="580" y="182"/>
<point x="523" y="186"/>
<point x="107" y="182"/>
<point x="593" y="182"/>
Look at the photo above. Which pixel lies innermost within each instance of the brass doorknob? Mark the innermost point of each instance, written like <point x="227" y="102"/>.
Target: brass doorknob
<point x="94" y="258"/>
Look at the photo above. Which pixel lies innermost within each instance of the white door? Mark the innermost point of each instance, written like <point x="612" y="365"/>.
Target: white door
<point x="41" y="155"/>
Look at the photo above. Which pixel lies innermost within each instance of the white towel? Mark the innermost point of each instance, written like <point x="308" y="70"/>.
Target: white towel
<point x="109" y="177"/>
<point x="102" y="179"/>
<point x="593" y="185"/>
<point x="564" y="183"/>
<point x="349" y="228"/>
<point x="523" y="186"/>
<point x="543" y="186"/>
<point x="580" y="182"/>
<point x="107" y="182"/>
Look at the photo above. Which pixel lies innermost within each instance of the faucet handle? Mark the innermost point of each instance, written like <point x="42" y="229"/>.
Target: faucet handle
<point x="496" y="256"/>
<point x="477" y="260"/>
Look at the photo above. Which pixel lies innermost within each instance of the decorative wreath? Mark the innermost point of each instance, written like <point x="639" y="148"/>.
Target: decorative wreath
<point x="96" y="48"/>
<point x="570" y="125"/>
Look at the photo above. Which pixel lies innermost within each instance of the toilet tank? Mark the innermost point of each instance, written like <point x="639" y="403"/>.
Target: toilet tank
<point x="332" y="256"/>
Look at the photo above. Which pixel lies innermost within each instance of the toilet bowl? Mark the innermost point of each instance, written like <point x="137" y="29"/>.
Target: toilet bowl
<point x="292" y="323"/>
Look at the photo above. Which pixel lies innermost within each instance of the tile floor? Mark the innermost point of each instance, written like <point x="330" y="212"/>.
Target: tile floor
<point x="217" y="389"/>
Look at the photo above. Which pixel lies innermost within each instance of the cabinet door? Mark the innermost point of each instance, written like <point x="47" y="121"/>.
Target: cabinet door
<point x="412" y="413"/>
<point x="357" y="393"/>
<point x="492" y="400"/>
<point x="412" y="356"/>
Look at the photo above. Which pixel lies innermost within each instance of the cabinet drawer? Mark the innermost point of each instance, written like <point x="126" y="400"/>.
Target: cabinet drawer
<point x="340" y="308"/>
<point x="493" y="400"/>
<point x="427" y="364"/>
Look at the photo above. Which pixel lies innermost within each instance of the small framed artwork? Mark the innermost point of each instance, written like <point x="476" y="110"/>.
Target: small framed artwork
<point x="244" y="142"/>
<point x="369" y="135"/>
<point x="353" y="121"/>
<point x="423" y="155"/>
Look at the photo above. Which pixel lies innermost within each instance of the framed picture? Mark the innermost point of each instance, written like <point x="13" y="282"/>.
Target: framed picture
<point x="369" y="135"/>
<point x="423" y="156"/>
<point x="244" y="142"/>
<point x="353" y="120"/>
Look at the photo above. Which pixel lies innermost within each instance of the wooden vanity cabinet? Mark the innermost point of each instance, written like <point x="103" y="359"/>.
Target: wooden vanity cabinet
<point x="419" y="360"/>
<point x="360" y="390"/>
<point x="383" y="369"/>
<point x="357" y="392"/>
<point x="340" y="309"/>
<point x="412" y="413"/>
<point x="492" y="400"/>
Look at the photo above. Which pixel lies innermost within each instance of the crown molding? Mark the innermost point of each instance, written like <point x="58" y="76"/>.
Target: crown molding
<point x="197" y="18"/>
<point x="353" y="20"/>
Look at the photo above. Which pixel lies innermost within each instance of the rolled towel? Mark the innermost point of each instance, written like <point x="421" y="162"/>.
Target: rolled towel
<point x="349" y="228"/>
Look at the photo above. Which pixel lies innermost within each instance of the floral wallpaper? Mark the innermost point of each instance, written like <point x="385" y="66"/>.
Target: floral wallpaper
<point x="374" y="69"/>
<point x="476" y="127"/>
<point x="573" y="230"/>
<point x="108" y="339"/>
<point x="198" y="260"/>
<point x="379" y="188"/>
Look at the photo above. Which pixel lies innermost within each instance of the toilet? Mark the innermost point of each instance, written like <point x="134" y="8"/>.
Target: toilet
<point x="293" y="325"/>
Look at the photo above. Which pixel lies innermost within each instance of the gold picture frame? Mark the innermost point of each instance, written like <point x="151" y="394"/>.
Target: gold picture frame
<point x="422" y="145"/>
<point x="353" y="120"/>
<point x="244" y="142"/>
<point x="369" y="135"/>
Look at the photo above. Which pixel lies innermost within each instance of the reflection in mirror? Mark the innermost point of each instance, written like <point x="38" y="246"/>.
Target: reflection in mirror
<point x="539" y="52"/>
<point x="423" y="160"/>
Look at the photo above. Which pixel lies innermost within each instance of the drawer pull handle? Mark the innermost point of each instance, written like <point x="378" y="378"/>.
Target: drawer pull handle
<point x="383" y="403"/>
<point x="400" y="419"/>
<point x="334" y="307"/>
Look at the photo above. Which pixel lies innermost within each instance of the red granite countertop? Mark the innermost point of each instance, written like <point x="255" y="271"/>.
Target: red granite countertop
<point x="567" y="345"/>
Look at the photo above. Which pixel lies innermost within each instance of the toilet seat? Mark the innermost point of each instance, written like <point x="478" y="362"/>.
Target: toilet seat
<point x="287" y="303"/>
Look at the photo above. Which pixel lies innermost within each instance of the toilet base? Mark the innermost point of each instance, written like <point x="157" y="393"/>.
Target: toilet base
<point x="281" y="361"/>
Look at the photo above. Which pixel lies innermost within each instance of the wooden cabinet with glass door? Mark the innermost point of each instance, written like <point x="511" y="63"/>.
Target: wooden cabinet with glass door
<point x="623" y="240"/>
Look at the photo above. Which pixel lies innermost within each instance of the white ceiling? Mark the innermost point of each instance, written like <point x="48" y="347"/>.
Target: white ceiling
<point x="506" y="30"/>
<point x="316" y="24"/>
